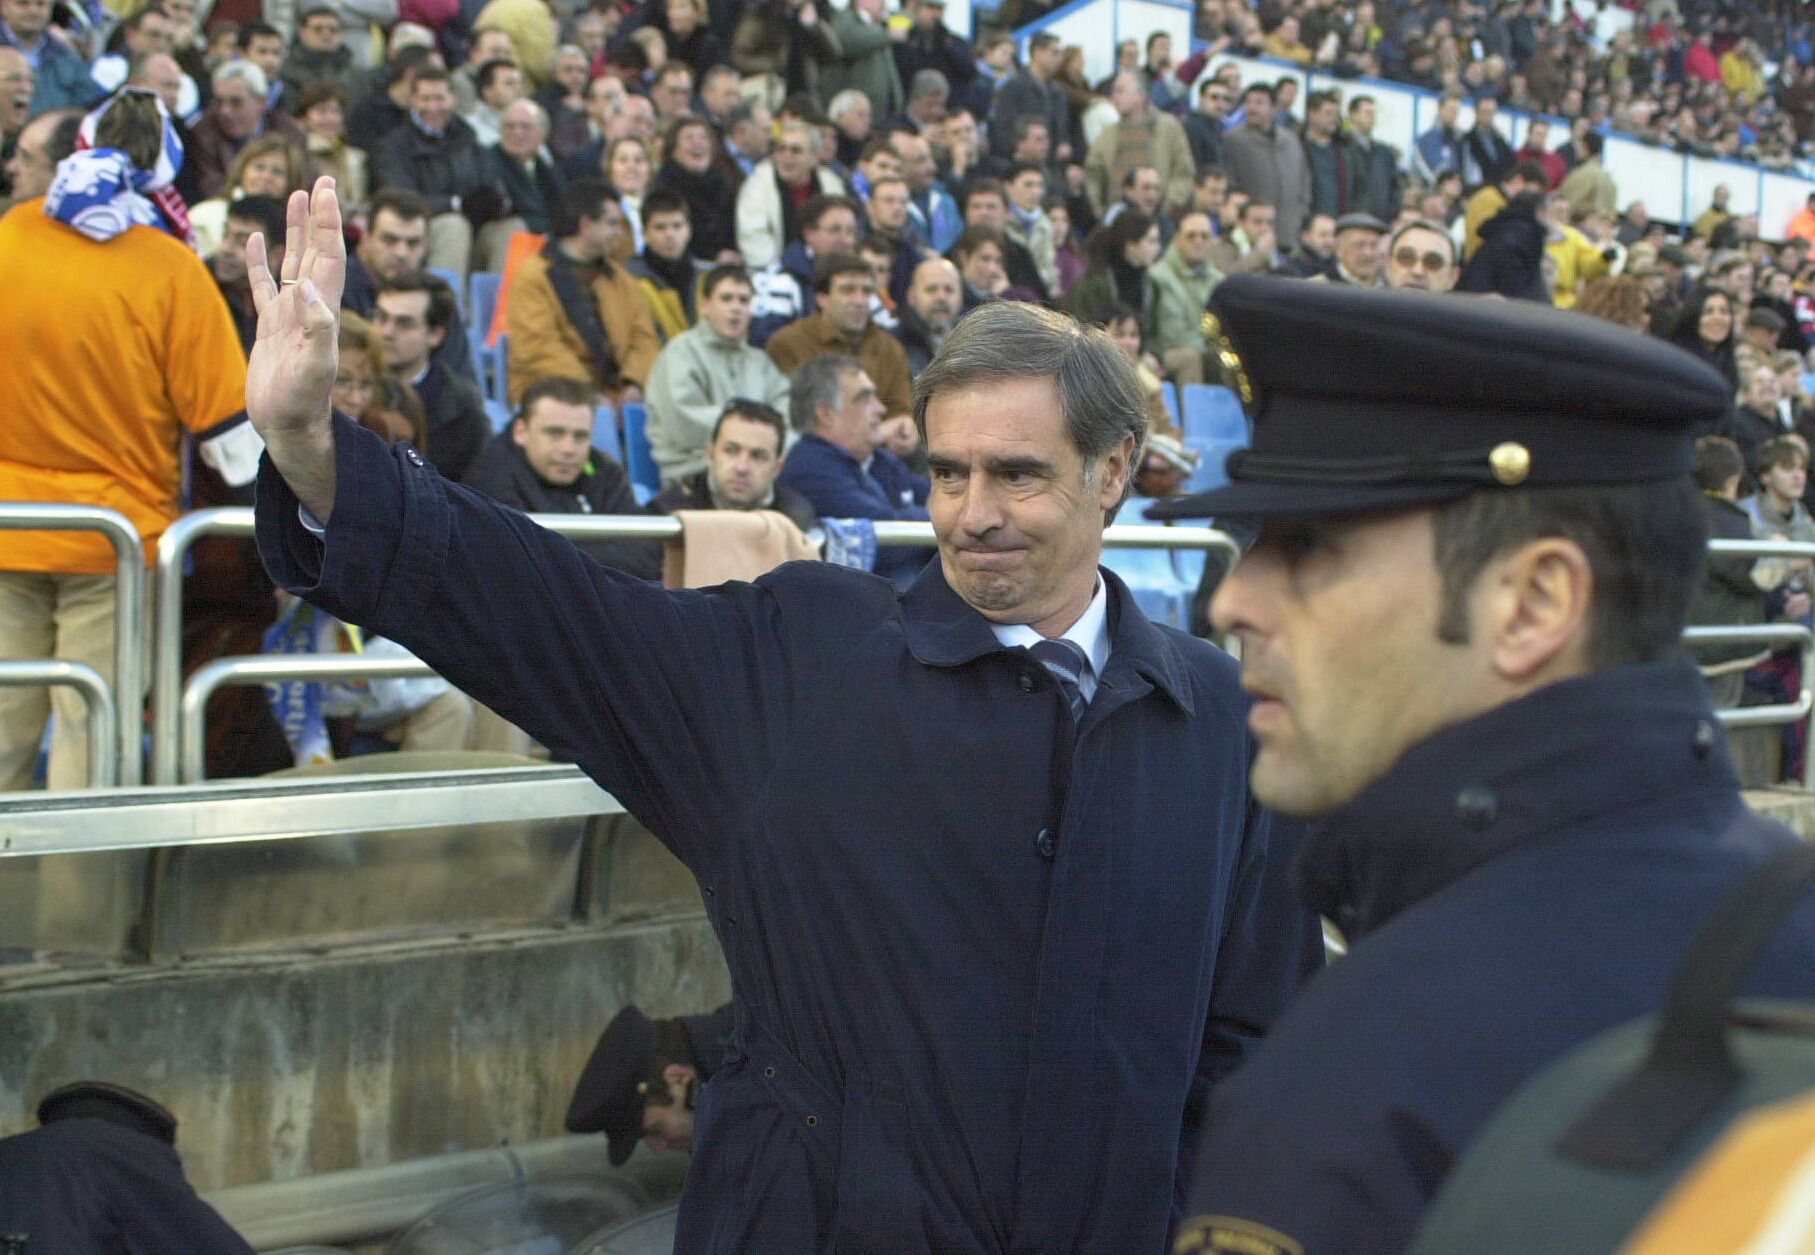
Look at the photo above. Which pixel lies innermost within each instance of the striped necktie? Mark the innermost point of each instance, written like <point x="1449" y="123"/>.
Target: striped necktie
<point x="1067" y="662"/>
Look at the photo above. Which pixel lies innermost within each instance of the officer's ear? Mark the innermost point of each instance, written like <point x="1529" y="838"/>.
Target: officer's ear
<point x="1534" y="605"/>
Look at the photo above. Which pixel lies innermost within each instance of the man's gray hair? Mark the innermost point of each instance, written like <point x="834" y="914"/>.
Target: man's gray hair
<point x="1099" y="396"/>
<point x="816" y="383"/>
<point x="929" y="83"/>
<point x="254" y="77"/>
<point x="844" y="102"/>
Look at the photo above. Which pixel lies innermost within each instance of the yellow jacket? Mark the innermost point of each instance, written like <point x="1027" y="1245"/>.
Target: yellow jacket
<point x="1739" y="73"/>
<point x="545" y="345"/>
<point x="1578" y="260"/>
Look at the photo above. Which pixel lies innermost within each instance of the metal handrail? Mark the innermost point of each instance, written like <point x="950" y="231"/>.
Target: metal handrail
<point x="128" y="609"/>
<point x="103" y="717"/>
<point x="268" y="668"/>
<point x="167" y="692"/>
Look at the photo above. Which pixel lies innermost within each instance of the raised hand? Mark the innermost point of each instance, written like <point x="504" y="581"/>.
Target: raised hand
<point x="291" y="374"/>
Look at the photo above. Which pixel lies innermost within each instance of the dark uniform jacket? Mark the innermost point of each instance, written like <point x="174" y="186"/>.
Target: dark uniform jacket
<point x="76" y="1187"/>
<point x="987" y="966"/>
<point x="1517" y="884"/>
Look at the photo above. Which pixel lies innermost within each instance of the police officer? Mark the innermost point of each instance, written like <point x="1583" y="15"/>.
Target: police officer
<point x="1461" y="626"/>
<point x="101" y="1175"/>
<point x="640" y="1082"/>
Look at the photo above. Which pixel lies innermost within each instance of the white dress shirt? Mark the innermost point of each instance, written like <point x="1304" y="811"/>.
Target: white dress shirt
<point x="1090" y="633"/>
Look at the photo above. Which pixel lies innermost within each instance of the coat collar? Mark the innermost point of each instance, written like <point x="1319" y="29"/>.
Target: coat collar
<point x="1520" y="773"/>
<point x="942" y="630"/>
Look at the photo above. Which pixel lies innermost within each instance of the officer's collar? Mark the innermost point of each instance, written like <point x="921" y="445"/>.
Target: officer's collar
<point x="943" y="630"/>
<point x="1522" y="772"/>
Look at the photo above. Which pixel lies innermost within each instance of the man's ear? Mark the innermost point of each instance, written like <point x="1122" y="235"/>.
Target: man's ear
<point x="519" y="433"/>
<point x="1114" y="471"/>
<point x="1536" y="603"/>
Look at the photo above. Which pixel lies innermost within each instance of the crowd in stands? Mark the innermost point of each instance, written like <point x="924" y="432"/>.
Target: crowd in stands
<point x="758" y="221"/>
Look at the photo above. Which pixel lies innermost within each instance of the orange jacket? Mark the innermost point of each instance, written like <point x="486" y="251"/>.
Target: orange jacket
<point x="545" y="345"/>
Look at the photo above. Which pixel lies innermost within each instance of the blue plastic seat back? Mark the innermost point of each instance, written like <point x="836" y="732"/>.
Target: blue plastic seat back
<point x="453" y="281"/>
<point x="1149" y="573"/>
<point x="499" y="414"/>
<point x="1213" y="413"/>
<point x="639" y="460"/>
<point x="483" y="300"/>
<point x="605" y="437"/>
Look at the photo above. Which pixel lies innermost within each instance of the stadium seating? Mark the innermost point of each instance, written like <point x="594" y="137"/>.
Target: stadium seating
<point x="645" y="476"/>
<point x="1150" y="574"/>
<point x="453" y="281"/>
<point x="1214" y="413"/>
<point x="605" y="436"/>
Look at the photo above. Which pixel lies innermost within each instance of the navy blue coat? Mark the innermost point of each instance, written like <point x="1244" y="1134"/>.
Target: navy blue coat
<point x="1517" y="885"/>
<point x="88" y="1187"/>
<point x="835" y="483"/>
<point x="985" y="974"/>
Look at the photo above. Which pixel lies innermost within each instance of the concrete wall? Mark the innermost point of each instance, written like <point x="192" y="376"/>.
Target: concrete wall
<point x="287" y="1064"/>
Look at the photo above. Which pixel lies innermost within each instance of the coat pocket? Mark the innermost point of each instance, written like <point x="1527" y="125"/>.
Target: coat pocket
<point x="877" y="1187"/>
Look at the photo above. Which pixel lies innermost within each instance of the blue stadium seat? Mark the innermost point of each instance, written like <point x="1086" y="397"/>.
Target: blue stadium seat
<point x="483" y="300"/>
<point x="605" y="436"/>
<point x="638" y="459"/>
<point x="453" y="281"/>
<point x="1149" y="573"/>
<point x="1213" y="413"/>
<point x="1210" y="472"/>
<point x="494" y="368"/>
<point x="499" y="414"/>
<point x="1169" y="394"/>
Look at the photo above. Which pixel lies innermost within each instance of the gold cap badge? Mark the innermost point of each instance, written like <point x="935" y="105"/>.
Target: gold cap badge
<point x="1511" y="463"/>
<point x="1230" y="359"/>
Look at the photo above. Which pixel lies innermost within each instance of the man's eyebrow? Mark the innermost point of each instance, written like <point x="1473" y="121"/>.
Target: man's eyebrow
<point x="1025" y="464"/>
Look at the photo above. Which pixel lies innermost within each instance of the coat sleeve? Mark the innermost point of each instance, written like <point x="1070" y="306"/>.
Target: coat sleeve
<point x="611" y="672"/>
<point x="758" y="223"/>
<point x="538" y="349"/>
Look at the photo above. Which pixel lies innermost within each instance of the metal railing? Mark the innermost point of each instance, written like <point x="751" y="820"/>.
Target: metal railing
<point x="1802" y="710"/>
<point x="168" y="698"/>
<point x="102" y="717"/>
<point x="128" y="612"/>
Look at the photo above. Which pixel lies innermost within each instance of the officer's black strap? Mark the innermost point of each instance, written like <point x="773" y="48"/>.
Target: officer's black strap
<point x="1470" y="465"/>
<point x="1690" y="1069"/>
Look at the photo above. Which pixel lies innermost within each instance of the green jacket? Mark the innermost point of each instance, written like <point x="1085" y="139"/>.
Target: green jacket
<point x="862" y="56"/>
<point x="1176" y="319"/>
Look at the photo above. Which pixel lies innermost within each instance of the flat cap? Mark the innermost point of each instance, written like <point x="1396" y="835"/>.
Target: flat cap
<point x="609" y="1097"/>
<point x="1363" y="399"/>
<point x="1361" y="222"/>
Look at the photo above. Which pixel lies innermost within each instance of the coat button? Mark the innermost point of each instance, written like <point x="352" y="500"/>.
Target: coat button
<point x="768" y="1071"/>
<point x="812" y="1122"/>
<point x="1027" y="682"/>
<point x="709" y="890"/>
<point x="1477" y="806"/>
<point x="1704" y="739"/>
<point x="1045" y="843"/>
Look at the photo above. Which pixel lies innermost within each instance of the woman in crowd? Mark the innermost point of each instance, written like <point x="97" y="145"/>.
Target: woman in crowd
<point x="690" y="37"/>
<point x="322" y="110"/>
<point x="269" y="166"/>
<point x="1620" y="300"/>
<point x="628" y="170"/>
<point x="707" y="185"/>
<point x="1705" y="327"/>
<point x="1065" y="245"/>
<point x="1120" y="254"/>
<point x="1123" y="326"/>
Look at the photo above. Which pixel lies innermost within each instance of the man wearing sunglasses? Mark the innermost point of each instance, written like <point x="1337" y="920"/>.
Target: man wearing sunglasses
<point x="1204" y="128"/>
<point x="1421" y="257"/>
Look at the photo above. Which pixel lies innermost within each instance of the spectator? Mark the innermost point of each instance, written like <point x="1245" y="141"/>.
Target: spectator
<point x="743" y="459"/>
<point x="1182" y="281"/>
<point x="1716" y="215"/>
<point x="271" y="166"/>
<point x="1576" y="258"/>
<point x="1283" y="42"/>
<point x="1122" y="325"/>
<point x="140" y="353"/>
<point x="853" y="116"/>
<point x="1421" y="257"/>
<point x="936" y="215"/>
<point x="1358" y="252"/>
<point x="860" y="55"/>
<point x="1706" y="328"/>
<point x="414" y="314"/>
<point x="322" y="110"/>
<point x="1622" y="300"/>
<point x="262" y="45"/>
<point x="45" y="141"/>
<point x="1588" y="187"/>
<point x="499" y="85"/>
<point x="839" y="465"/>
<point x="1204" y="127"/>
<point x="958" y="149"/>
<point x="564" y="98"/>
<point x="1143" y="136"/>
<point x="843" y="325"/>
<point x="700" y="372"/>
<point x="928" y="93"/>
<point x="691" y="173"/>
<point x="891" y="233"/>
<point x="238" y="115"/>
<point x="575" y="315"/>
<point x="1486" y="154"/>
<point x="784" y="289"/>
<point x="1163" y="86"/>
<point x="396" y="243"/>
<point x="1729" y="595"/>
<point x="1252" y="247"/>
<point x="1536" y="149"/>
<point x="1027" y="224"/>
<point x="994" y="63"/>
<point x="1440" y="148"/>
<point x="628" y="168"/>
<point x="438" y="157"/>
<point x="1490" y="200"/>
<point x="1034" y="93"/>
<point x="668" y="274"/>
<point x="62" y="78"/>
<point x="319" y="56"/>
<point x="263" y="215"/>
<point x="979" y="256"/>
<point x="580" y="143"/>
<point x="545" y="463"/>
<point x="672" y="93"/>
<point x="934" y="301"/>
<point x="159" y="73"/>
<point x="531" y="182"/>
<point x="1510" y="260"/>
<point x="690" y="39"/>
<point x="384" y="106"/>
<point x="930" y="45"/>
<point x="1316" y="251"/>
<point x="1120" y="254"/>
<point x="748" y="137"/>
<point x="986" y="205"/>
<point x="1267" y="162"/>
<point x="1327" y="151"/>
<point x="770" y="202"/>
<point x="1378" y="180"/>
<point x="148" y="32"/>
<point x="16" y="86"/>
<point x="1756" y="422"/>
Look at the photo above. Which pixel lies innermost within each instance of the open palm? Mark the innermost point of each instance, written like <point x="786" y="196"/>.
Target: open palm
<point x="291" y="374"/>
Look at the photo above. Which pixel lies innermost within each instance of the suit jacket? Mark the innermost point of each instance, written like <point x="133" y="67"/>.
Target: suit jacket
<point x="1271" y="166"/>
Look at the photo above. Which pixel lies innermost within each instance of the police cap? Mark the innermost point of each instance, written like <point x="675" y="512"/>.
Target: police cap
<point x="609" y="1097"/>
<point x="102" y="1100"/>
<point x="1363" y="399"/>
